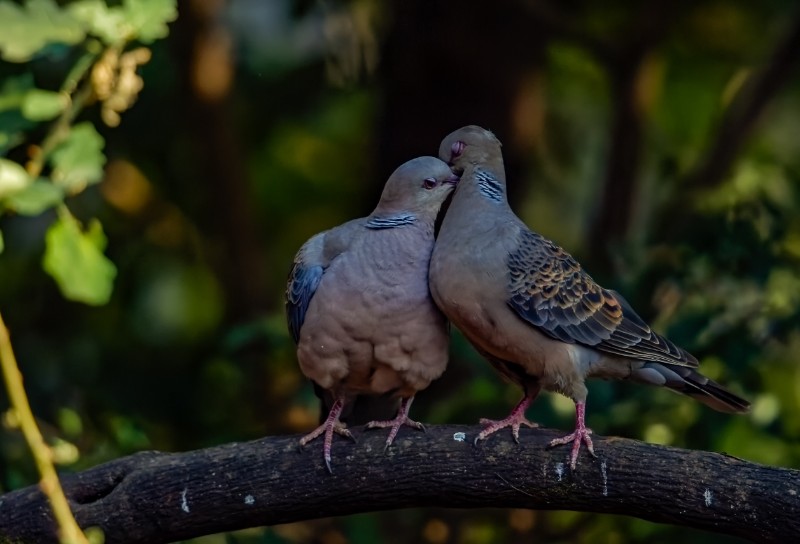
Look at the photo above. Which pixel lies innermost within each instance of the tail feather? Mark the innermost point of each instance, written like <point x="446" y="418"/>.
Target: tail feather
<point x="691" y="383"/>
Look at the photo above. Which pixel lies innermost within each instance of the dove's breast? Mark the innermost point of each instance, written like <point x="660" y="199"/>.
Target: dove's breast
<point x="372" y="326"/>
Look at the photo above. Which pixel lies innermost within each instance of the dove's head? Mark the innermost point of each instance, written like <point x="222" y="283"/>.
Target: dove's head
<point x="419" y="185"/>
<point x="470" y="145"/>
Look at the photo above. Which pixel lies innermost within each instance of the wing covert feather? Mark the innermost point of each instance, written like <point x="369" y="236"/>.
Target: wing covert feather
<point x="549" y="289"/>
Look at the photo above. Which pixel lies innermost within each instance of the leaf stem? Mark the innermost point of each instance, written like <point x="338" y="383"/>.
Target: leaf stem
<point x="69" y="532"/>
<point x="79" y="99"/>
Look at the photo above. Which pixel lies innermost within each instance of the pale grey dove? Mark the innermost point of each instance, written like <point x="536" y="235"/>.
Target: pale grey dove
<point x="358" y="304"/>
<point x="530" y="308"/>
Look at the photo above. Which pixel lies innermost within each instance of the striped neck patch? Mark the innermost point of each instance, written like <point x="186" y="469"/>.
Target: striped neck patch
<point x="489" y="186"/>
<point x="391" y="221"/>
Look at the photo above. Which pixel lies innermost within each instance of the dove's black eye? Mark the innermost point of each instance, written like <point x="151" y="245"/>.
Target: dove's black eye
<point x="429" y="183"/>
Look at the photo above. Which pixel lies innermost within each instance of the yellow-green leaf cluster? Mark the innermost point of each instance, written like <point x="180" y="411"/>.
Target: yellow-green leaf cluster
<point x="27" y="28"/>
<point x="142" y="20"/>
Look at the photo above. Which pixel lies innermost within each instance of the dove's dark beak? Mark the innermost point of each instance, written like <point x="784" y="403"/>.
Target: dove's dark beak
<point x="453" y="179"/>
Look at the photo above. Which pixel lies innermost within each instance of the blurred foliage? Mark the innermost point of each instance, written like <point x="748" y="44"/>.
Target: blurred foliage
<point x="73" y="154"/>
<point x="258" y="126"/>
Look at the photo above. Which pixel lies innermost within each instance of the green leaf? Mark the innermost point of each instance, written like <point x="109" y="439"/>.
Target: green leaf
<point x="75" y="259"/>
<point x="24" y="30"/>
<point x="37" y="197"/>
<point x="79" y="161"/>
<point x="2" y="243"/>
<point x="143" y="20"/>
<point x="39" y="105"/>
<point x="13" y="177"/>
<point x="149" y="18"/>
<point x="107" y="23"/>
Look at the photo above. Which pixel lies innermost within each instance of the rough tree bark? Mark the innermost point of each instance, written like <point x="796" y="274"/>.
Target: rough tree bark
<point x="160" y="497"/>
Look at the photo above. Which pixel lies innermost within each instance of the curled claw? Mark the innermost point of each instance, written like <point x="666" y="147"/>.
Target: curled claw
<point x="514" y="420"/>
<point x="395" y="424"/>
<point x="330" y="426"/>
<point x="580" y="434"/>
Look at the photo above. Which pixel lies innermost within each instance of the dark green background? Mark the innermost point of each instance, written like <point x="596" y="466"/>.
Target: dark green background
<point x="264" y="122"/>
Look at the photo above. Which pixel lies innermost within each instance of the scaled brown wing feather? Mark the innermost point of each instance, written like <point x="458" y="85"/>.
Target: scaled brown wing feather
<point x="551" y="291"/>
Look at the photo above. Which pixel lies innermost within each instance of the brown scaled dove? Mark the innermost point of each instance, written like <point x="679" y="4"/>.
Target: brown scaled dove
<point x="530" y="308"/>
<point x="358" y="304"/>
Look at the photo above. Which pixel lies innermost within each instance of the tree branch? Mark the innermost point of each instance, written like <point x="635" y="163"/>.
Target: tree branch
<point x="159" y="497"/>
<point x="746" y="108"/>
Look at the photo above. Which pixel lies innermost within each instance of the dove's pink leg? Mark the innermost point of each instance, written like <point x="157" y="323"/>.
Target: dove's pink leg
<point x="581" y="433"/>
<point x="400" y="420"/>
<point x="514" y="420"/>
<point x="331" y="425"/>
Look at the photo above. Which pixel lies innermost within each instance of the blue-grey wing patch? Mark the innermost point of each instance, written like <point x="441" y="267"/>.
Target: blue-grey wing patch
<point x="550" y="290"/>
<point x="303" y="282"/>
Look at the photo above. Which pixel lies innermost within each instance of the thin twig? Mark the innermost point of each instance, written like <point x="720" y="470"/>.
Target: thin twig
<point x="80" y="90"/>
<point x="69" y="532"/>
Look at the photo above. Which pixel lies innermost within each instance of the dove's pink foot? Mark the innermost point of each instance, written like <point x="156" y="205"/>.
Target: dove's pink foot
<point x="395" y="424"/>
<point x="515" y="419"/>
<point x="581" y="434"/>
<point x="331" y="425"/>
